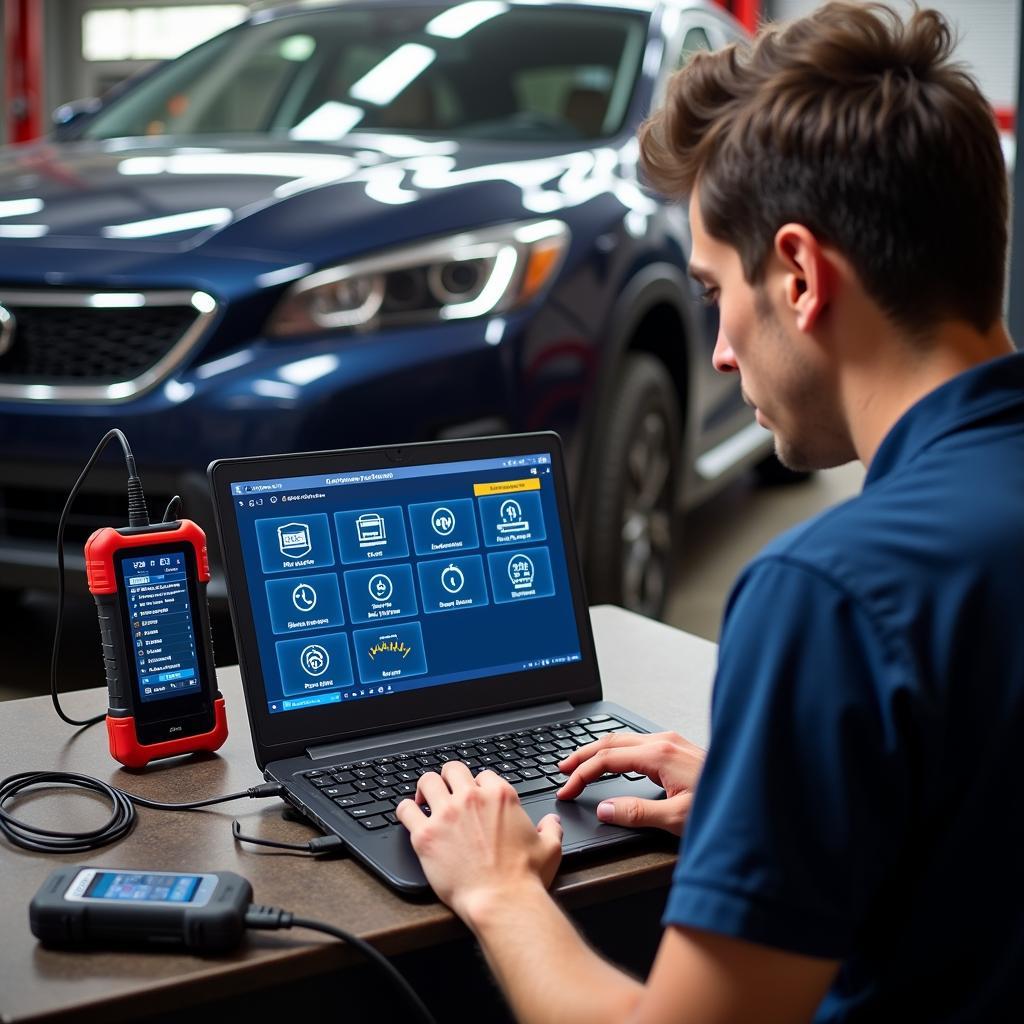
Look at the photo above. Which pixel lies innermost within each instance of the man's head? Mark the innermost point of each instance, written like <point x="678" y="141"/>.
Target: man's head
<point x="839" y="161"/>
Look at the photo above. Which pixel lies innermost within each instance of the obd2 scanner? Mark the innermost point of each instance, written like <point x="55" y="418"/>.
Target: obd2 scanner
<point x="149" y="582"/>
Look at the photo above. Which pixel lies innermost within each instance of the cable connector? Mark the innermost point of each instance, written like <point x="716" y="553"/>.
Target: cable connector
<point x="314" y="847"/>
<point x="138" y="514"/>
<point x="265" y="918"/>
<point x="265" y="789"/>
<point x="325" y="844"/>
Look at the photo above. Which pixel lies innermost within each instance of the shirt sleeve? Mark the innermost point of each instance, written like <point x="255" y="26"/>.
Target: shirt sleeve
<point x="801" y="809"/>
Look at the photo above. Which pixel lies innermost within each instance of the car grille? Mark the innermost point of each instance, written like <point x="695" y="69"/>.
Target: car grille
<point x="30" y="513"/>
<point x="104" y="346"/>
<point x="101" y="345"/>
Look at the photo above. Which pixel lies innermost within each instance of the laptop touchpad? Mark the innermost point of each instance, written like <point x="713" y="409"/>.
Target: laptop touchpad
<point x="579" y="817"/>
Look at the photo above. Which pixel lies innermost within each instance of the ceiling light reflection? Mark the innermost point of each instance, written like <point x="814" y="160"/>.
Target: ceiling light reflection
<point x="394" y="74"/>
<point x="176" y="222"/>
<point x="461" y="20"/>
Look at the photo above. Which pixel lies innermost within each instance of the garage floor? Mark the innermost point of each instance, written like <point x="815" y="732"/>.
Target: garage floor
<point x="718" y="540"/>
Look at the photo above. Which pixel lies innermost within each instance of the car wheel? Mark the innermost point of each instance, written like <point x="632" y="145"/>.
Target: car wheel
<point x="632" y="529"/>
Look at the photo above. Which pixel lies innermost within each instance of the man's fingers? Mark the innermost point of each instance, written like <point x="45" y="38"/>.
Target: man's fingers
<point x="634" y="758"/>
<point x="456" y="775"/>
<point x="631" y="812"/>
<point x="614" y="739"/>
<point x="409" y="813"/>
<point x="550" y="828"/>
<point x="431" y="788"/>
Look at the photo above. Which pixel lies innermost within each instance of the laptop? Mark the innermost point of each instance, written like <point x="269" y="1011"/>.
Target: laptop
<point x="398" y="607"/>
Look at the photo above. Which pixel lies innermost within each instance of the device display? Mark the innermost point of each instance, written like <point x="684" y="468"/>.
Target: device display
<point x="163" y="640"/>
<point x="149" y="585"/>
<point x="370" y="583"/>
<point x="87" y="907"/>
<point x="120" y="886"/>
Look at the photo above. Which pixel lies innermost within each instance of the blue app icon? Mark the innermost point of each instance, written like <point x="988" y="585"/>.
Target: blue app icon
<point x="520" y="574"/>
<point x="512" y="519"/>
<point x="384" y="592"/>
<point x="390" y="652"/>
<point x="304" y="602"/>
<point x="371" y="535"/>
<point x="440" y="526"/>
<point x="449" y="584"/>
<point x="313" y="664"/>
<point x="287" y="545"/>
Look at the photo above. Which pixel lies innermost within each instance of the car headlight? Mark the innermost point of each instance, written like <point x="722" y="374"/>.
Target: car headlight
<point x="474" y="273"/>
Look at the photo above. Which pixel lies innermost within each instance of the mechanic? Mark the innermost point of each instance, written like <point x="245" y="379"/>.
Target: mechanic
<point x="855" y="843"/>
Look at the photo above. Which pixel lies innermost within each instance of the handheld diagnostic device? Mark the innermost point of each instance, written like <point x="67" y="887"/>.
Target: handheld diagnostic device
<point x="83" y="907"/>
<point x="149" y="584"/>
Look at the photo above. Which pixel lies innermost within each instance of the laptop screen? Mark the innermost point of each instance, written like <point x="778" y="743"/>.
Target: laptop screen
<point x="367" y="584"/>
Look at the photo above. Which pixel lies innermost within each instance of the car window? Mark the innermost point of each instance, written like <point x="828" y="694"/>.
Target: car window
<point x="520" y="73"/>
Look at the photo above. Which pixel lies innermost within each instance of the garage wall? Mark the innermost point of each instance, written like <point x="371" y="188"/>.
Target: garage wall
<point x="988" y="32"/>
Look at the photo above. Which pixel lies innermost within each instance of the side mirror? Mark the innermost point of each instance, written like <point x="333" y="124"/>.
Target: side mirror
<point x="69" y="116"/>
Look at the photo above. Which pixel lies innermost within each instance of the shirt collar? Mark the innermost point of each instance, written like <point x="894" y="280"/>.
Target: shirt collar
<point x="988" y="388"/>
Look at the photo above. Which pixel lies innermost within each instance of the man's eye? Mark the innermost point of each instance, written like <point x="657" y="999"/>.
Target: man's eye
<point x="709" y="296"/>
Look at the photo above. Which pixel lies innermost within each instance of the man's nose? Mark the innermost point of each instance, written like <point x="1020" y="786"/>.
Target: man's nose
<point x="724" y="359"/>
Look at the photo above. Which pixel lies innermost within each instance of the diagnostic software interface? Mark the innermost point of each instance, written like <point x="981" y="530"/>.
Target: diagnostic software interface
<point x="377" y="582"/>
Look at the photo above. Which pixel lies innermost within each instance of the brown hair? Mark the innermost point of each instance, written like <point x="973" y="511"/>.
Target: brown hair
<point x="860" y="127"/>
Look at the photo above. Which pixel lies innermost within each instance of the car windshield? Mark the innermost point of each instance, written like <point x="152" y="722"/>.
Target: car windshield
<point x="483" y="69"/>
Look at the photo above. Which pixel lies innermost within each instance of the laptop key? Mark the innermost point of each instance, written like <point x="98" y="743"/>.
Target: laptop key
<point x="530" y="773"/>
<point x="602" y="727"/>
<point x="548" y="769"/>
<point x="528" y="786"/>
<point x="510" y="776"/>
<point x="391" y="818"/>
<point x="634" y="776"/>
<point x="384" y="793"/>
<point x="314" y="774"/>
<point x="386" y="780"/>
<point x="365" y="784"/>
<point x="408" y="776"/>
<point x="365" y="773"/>
<point x="356" y="800"/>
<point x="343" y="776"/>
<point x="405" y="788"/>
<point x="378" y="821"/>
<point x="333" y="791"/>
<point x="378" y="807"/>
<point x="323" y="780"/>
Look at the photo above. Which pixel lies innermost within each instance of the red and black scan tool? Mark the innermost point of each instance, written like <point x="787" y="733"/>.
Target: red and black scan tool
<point x="149" y="583"/>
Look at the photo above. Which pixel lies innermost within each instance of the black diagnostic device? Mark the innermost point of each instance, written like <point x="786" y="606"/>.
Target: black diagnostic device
<point x="100" y="908"/>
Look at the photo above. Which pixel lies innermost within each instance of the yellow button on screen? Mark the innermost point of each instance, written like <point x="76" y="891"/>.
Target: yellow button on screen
<point x="531" y="483"/>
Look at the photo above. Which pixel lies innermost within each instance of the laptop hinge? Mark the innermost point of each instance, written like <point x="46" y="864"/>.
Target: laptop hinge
<point x="429" y="735"/>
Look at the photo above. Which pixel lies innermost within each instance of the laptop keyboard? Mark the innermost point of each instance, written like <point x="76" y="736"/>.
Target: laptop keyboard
<point x="528" y="758"/>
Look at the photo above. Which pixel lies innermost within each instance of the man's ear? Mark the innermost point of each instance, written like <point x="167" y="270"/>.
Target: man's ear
<point x="808" y="275"/>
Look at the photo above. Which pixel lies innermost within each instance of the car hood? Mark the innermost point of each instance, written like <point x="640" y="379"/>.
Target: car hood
<point x="292" y="200"/>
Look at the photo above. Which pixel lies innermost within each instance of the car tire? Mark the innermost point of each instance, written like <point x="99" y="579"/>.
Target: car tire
<point x="635" y="490"/>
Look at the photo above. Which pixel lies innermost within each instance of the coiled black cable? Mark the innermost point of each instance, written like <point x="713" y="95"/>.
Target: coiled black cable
<point x="121" y="821"/>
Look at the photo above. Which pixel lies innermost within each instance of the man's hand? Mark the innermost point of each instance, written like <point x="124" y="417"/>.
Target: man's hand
<point x="478" y="841"/>
<point x="664" y="757"/>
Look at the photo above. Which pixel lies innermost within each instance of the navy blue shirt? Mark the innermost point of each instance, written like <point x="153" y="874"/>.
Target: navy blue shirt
<point x="862" y="796"/>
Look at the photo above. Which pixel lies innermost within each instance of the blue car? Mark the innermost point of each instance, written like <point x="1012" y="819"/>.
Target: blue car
<point x="366" y="223"/>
